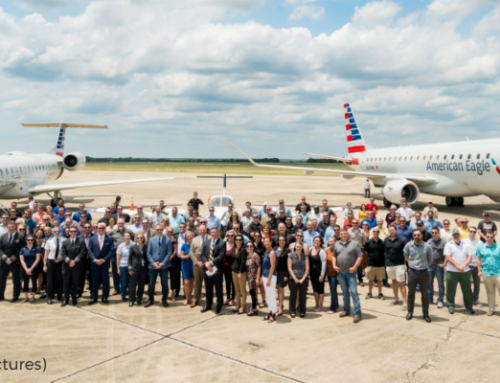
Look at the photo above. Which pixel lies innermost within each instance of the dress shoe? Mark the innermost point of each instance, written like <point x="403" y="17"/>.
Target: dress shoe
<point x="139" y="302"/>
<point x="409" y="316"/>
<point x="164" y="303"/>
<point x="14" y="300"/>
<point x="148" y="303"/>
<point x="105" y="301"/>
<point x="131" y="303"/>
<point x="79" y="295"/>
<point x="42" y="296"/>
<point x="2" y="298"/>
<point x="124" y="299"/>
<point x="343" y="314"/>
<point x="205" y="309"/>
<point x="49" y="301"/>
<point x="217" y="310"/>
<point x="193" y="304"/>
<point x="427" y="318"/>
<point x="74" y="302"/>
<point x="64" y="303"/>
<point x="472" y="311"/>
<point x="116" y="292"/>
<point x="92" y="301"/>
<point x="356" y="319"/>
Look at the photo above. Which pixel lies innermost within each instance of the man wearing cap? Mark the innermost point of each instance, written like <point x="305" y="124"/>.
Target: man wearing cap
<point x="418" y="254"/>
<point x="457" y="271"/>
<point x="473" y="242"/>
<point x="486" y="225"/>
<point x="430" y="207"/>
<point x="425" y="234"/>
<point x="488" y="264"/>
<point x="263" y="210"/>
<point x="430" y="222"/>
<point x="436" y="268"/>
<point x="463" y="228"/>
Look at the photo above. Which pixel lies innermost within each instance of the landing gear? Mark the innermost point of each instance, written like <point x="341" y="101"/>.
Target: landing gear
<point x="55" y="199"/>
<point x="455" y="201"/>
<point x="387" y="203"/>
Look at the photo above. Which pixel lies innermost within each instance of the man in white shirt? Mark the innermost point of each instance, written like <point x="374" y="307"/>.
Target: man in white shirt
<point x="367" y="188"/>
<point x="3" y="226"/>
<point x="136" y="226"/>
<point x="175" y="270"/>
<point x="157" y="217"/>
<point x="473" y="242"/>
<point x="406" y="211"/>
<point x="430" y="207"/>
<point x="458" y="255"/>
<point x="52" y="265"/>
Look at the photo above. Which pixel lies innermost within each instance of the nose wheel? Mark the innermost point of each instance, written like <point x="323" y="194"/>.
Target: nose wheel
<point x="455" y="201"/>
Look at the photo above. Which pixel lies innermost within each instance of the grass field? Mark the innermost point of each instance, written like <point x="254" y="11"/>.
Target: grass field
<point x="211" y="168"/>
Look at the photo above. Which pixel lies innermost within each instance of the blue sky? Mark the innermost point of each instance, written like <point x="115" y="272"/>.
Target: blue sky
<point x="183" y="79"/>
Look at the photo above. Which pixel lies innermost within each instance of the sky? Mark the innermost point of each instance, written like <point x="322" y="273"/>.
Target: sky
<point x="180" y="79"/>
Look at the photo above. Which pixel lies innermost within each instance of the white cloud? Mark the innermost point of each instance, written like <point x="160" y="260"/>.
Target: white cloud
<point x="375" y="13"/>
<point x="307" y="11"/>
<point x="456" y="9"/>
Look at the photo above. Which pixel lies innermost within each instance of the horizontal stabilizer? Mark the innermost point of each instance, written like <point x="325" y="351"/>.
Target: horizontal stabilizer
<point x="64" y="125"/>
<point x="342" y="159"/>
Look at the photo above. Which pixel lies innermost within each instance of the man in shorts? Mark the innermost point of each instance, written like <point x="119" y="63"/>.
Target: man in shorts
<point x="395" y="264"/>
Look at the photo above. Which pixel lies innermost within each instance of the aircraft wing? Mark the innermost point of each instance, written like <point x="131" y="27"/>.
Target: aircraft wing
<point x="58" y="187"/>
<point x="350" y="173"/>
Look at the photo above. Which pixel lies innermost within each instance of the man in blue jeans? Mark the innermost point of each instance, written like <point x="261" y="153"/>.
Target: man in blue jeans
<point x="436" y="269"/>
<point x="347" y="256"/>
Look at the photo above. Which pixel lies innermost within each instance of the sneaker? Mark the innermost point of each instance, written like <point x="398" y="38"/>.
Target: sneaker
<point x="490" y="313"/>
<point x="368" y="296"/>
<point x="471" y="311"/>
<point x="451" y="311"/>
<point x="330" y="312"/>
<point x="404" y="307"/>
<point x="361" y="283"/>
<point x="440" y="305"/>
<point x="478" y="304"/>
<point x="381" y="296"/>
<point x="394" y="303"/>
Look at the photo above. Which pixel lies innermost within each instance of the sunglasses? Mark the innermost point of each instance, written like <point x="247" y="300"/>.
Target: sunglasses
<point x="239" y="240"/>
<point x="230" y="236"/>
<point x="57" y="231"/>
<point x="29" y="240"/>
<point x="101" y="228"/>
<point x="299" y="235"/>
<point x="21" y="229"/>
<point x="161" y="230"/>
<point x="472" y="231"/>
<point x="249" y="247"/>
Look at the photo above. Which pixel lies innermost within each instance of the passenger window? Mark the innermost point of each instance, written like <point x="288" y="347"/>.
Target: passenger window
<point x="389" y="159"/>
<point x="460" y="156"/>
<point x="452" y="156"/>
<point x="405" y="158"/>
<point x="384" y="158"/>
<point x="437" y="158"/>
<point x="487" y="156"/>
<point x="468" y="157"/>
<point x="411" y="158"/>
<point x="424" y="158"/>
<point x="478" y="156"/>
<point x="444" y="158"/>
<point x="430" y="158"/>
<point x="418" y="157"/>
<point x="7" y="171"/>
<point x="1" y="172"/>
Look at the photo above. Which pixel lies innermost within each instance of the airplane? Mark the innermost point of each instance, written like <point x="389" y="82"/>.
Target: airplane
<point x="23" y="175"/>
<point x="453" y="170"/>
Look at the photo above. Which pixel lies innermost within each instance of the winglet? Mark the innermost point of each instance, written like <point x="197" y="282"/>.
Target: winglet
<point x="244" y="155"/>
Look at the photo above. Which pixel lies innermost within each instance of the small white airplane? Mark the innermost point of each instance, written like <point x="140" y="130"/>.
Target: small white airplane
<point x="454" y="169"/>
<point x="23" y="175"/>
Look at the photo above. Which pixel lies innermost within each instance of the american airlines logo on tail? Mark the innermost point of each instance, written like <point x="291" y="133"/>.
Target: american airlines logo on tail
<point x="355" y="142"/>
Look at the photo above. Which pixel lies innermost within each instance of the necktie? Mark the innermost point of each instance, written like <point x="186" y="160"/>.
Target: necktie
<point x="100" y="242"/>
<point x="211" y="251"/>
<point x="202" y="242"/>
<point x="10" y="238"/>
<point x="159" y="242"/>
<point x="57" y="248"/>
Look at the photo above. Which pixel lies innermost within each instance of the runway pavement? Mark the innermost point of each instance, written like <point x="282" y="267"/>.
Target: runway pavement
<point x="115" y="343"/>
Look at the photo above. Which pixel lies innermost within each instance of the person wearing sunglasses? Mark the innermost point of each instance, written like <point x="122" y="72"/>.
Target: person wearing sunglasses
<point x="228" y="274"/>
<point x="40" y="242"/>
<point x="196" y="250"/>
<point x="298" y="269"/>
<point x="52" y="265"/>
<point x="30" y="259"/>
<point x="101" y="248"/>
<point x="252" y="265"/>
<point x="74" y="253"/>
<point x="239" y="275"/>
<point x="446" y="231"/>
<point x="187" y="267"/>
<point x="488" y="263"/>
<point x="473" y="242"/>
<point x="11" y="244"/>
<point x="331" y="275"/>
<point x="436" y="268"/>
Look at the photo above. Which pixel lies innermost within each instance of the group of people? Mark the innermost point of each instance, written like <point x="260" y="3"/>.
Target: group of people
<point x="261" y="251"/>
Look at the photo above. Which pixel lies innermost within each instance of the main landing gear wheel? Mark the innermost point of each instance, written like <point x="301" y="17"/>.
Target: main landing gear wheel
<point x="459" y="202"/>
<point x="386" y="203"/>
<point x="451" y="201"/>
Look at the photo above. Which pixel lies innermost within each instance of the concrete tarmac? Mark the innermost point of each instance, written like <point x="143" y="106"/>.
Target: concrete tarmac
<point x="115" y="343"/>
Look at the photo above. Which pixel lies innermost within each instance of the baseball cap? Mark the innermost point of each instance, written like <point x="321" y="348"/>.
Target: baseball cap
<point x="264" y="204"/>
<point x="420" y="223"/>
<point x="429" y="202"/>
<point x="455" y="231"/>
<point x="486" y="214"/>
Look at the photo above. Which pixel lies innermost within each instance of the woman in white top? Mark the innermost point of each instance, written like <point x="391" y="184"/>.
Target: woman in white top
<point x="317" y="262"/>
<point x="122" y="254"/>
<point x="112" y="224"/>
<point x="446" y="231"/>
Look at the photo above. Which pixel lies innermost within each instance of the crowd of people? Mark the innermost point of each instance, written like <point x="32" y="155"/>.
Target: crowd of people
<point x="55" y="253"/>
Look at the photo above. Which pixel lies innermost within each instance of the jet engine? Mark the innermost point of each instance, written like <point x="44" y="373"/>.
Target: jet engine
<point x="397" y="188"/>
<point x="74" y="161"/>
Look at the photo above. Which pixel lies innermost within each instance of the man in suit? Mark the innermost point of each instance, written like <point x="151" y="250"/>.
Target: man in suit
<point x="101" y="248"/>
<point x="11" y="244"/>
<point x="212" y="256"/>
<point x="159" y="252"/>
<point x="196" y="249"/>
<point x="74" y="253"/>
<point x="146" y="231"/>
<point x="86" y="266"/>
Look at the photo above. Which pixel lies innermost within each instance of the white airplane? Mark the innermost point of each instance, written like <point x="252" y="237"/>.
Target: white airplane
<point x="453" y="170"/>
<point x="23" y="175"/>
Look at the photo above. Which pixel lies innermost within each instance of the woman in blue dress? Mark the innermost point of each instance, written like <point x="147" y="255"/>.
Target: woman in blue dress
<point x="30" y="259"/>
<point x="187" y="267"/>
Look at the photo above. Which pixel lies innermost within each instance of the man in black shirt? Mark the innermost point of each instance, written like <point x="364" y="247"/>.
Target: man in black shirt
<point x="395" y="264"/>
<point x="283" y="232"/>
<point x="425" y="234"/>
<point x="323" y="225"/>
<point x="486" y="225"/>
<point x="195" y="201"/>
<point x="376" y="262"/>
<point x="298" y="224"/>
<point x="255" y="225"/>
<point x="302" y="202"/>
<point x="290" y="228"/>
<point x="281" y="216"/>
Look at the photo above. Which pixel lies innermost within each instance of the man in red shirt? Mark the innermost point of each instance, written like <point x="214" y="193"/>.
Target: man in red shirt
<point x="372" y="206"/>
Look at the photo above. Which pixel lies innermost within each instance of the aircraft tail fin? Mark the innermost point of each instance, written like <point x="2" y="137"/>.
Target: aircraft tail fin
<point x="355" y="141"/>
<point x="59" y="148"/>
